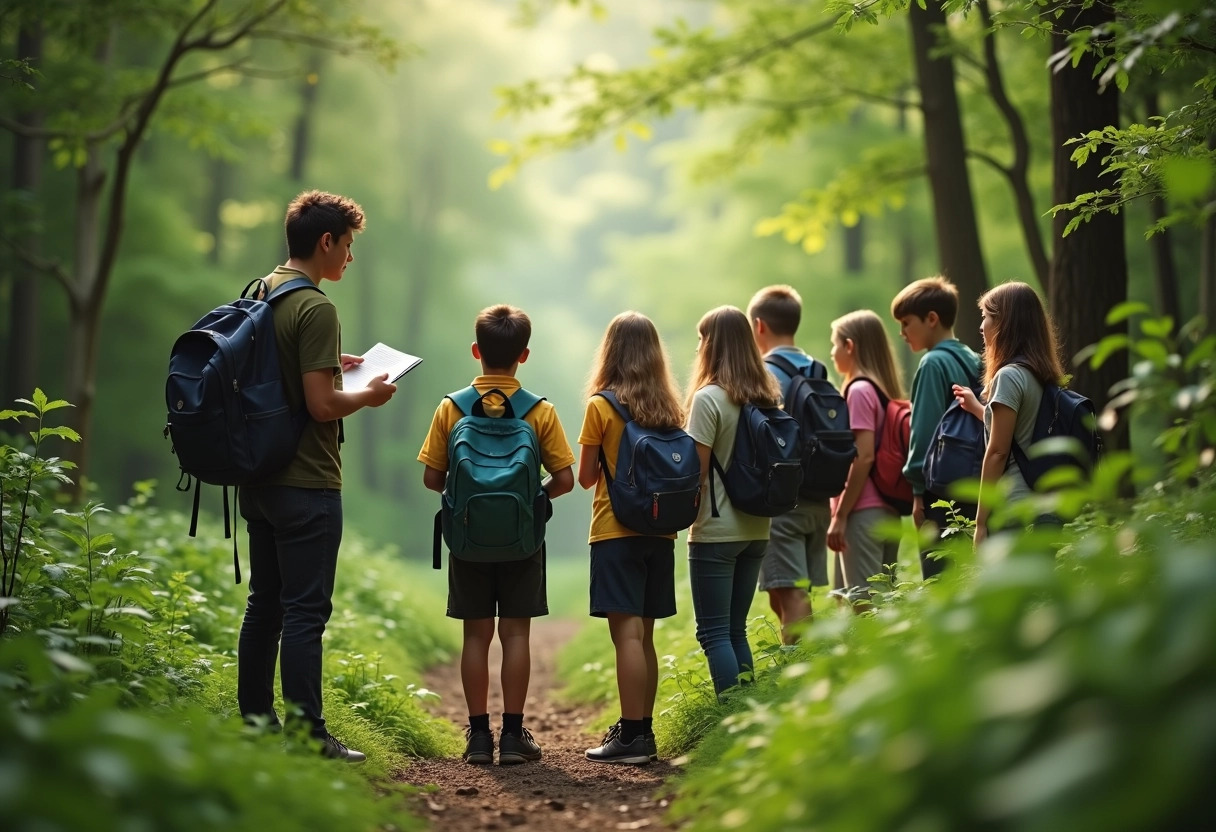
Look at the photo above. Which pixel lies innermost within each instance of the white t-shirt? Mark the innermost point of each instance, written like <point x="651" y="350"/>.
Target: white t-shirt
<point x="1015" y="387"/>
<point x="713" y="420"/>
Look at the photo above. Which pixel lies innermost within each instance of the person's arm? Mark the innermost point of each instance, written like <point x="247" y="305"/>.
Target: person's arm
<point x="859" y="472"/>
<point x="996" y="458"/>
<point x="703" y="452"/>
<point x="589" y="466"/>
<point x="434" y="479"/>
<point x="930" y="397"/>
<point x="559" y="482"/>
<point x="326" y="403"/>
<point x="965" y="396"/>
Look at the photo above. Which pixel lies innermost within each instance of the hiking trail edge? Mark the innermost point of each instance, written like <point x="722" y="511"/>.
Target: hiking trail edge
<point x="564" y="790"/>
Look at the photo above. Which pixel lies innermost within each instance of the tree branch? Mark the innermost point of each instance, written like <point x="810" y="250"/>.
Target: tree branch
<point x="991" y="161"/>
<point x="50" y="267"/>
<point x="212" y="41"/>
<point x="846" y="93"/>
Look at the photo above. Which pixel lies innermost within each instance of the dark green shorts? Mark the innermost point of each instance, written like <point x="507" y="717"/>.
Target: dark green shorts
<point x="514" y="589"/>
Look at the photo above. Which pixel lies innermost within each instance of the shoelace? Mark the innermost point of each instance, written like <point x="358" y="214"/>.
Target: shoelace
<point x="338" y="745"/>
<point x="614" y="731"/>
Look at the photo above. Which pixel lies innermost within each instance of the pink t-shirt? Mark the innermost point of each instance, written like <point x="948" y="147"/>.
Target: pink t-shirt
<point x="865" y="413"/>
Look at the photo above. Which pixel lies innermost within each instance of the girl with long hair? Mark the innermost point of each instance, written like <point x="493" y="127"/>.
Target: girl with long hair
<point x="1021" y="355"/>
<point x="861" y="353"/>
<point x="725" y="551"/>
<point x="632" y="575"/>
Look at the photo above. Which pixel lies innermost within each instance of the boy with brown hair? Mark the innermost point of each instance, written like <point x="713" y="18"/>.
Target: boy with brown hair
<point x="295" y="516"/>
<point x="796" y="557"/>
<point x="926" y="310"/>
<point x="514" y="590"/>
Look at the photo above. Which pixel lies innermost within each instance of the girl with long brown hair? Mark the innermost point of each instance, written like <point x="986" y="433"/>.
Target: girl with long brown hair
<point x="862" y="355"/>
<point x="1021" y="355"/>
<point x="725" y="545"/>
<point x="632" y="575"/>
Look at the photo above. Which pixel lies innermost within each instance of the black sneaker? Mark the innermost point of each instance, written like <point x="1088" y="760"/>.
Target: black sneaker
<point x="479" y="750"/>
<point x="652" y="747"/>
<point x="335" y="749"/>
<point x="517" y="748"/>
<point x="613" y="750"/>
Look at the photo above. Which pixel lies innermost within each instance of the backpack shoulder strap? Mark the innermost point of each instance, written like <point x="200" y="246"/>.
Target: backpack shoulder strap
<point x="882" y="397"/>
<point x="782" y="363"/>
<point x="289" y="286"/>
<point x="971" y="380"/>
<point x="464" y="399"/>
<point x="819" y="370"/>
<point x="522" y="401"/>
<point x="611" y="398"/>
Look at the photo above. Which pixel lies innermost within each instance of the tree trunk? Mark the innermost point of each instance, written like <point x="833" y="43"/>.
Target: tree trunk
<point x="217" y="192"/>
<point x="1089" y="266"/>
<point x="22" y="352"/>
<point x="1207" y="265"/>
<point x="957" y="233"/>
<point x="1162" y="243"/>
<point x="854" y="247"/>
<point x="302" y="134"/>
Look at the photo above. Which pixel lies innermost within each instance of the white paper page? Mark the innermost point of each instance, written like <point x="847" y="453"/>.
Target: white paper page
<point x="377" y="361"/>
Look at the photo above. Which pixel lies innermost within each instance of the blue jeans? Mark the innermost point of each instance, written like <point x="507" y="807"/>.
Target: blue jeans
<point x="294" y="534"/>
<point x="723" y="577"/>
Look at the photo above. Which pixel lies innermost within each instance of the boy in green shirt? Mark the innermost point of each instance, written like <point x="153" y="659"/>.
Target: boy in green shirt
<point x="926" y="310"/>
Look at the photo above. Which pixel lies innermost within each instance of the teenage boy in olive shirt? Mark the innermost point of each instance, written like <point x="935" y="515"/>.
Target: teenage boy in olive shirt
<point x="295" y="516"/>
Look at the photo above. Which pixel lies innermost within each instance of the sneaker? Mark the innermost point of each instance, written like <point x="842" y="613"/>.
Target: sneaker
<point x="652" y="747"/>
<point x="479" y="750"/>
<point x="613" y="750"/>
<point x="517" y="748"/>
<point x="335" y="749"/>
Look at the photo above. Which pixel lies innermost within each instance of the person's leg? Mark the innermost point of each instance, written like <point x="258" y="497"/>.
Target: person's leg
<point x="864" y="558"/>
<point x="308" y="533"/>
<point x="793" y="606"/>
<point x="747" y="568"/>
<point x="628" y="634"/>
<point x="258" y="648"/>
<point x="475" y="664"/>
<point x="513" y="635"/>
<point x="785" y="566"/>
<point x="711" y="572"/>
<point x="652" y="669"/>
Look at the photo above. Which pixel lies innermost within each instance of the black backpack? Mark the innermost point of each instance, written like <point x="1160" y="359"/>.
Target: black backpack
<point x="229" y="418"/>
<point x="956" y="451"/>
<point x="828" y="447"/>
<point x="657" y="488"/>
<point x="766" y="463"/>
<point x="1063" y="415"/>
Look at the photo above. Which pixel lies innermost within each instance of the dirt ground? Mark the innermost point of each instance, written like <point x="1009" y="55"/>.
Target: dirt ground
<point x="563" y="791"/>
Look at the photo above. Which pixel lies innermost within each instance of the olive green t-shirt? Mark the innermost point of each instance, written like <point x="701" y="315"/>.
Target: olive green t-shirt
<point x="309" y="338"/>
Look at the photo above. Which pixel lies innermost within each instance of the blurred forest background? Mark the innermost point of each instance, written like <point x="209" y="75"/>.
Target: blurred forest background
<point x="810" y="170"/>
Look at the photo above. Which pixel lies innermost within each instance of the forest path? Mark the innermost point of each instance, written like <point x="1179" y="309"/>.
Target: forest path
<point x="563" y="791"/>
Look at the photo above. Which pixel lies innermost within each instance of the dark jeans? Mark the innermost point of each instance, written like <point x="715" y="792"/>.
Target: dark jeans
<point x="723" y="577"/>
<point x="294" y="534"/>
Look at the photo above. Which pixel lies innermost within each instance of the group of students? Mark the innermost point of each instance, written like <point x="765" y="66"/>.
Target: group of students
<point x="743" y="358"/>
<point x="730" y="551"/>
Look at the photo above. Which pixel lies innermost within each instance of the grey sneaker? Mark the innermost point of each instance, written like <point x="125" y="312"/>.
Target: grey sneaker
<point x="613" y="750"/>
<point x="652" y="747"/>
<point x="335" y="749"/>
<point x="479" y="750"/>
<point x="521" y="748"/>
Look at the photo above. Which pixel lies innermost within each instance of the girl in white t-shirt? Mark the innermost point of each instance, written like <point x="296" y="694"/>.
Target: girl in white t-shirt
<point x="862" y="355"/>
<point x="724" y="552"/>
<point x="1013" y="324"/>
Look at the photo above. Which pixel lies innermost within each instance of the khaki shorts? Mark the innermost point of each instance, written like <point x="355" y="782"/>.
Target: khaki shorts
<point x="797" y="548"/>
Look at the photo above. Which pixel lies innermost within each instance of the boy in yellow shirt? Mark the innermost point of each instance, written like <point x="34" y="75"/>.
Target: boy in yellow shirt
<point x="513" y="591"/>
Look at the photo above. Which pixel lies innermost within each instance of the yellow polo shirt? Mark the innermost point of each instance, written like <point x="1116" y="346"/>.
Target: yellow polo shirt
<point x="555" y="452"/>
<point x="603" y="426"/>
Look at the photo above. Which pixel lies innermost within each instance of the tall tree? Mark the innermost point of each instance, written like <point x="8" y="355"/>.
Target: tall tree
<point x="957" y="231"/>
<point x="1089" y="264"/>
<point x="103" y="133"/>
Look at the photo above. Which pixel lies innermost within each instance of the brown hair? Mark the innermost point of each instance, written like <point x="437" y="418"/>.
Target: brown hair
<point x="1017" y="325"/>
<point x="729" y="358"/>
<point x="313" y="214"/>
<point x="929" y="294"/>
<point x="780" y="307"/>
<point x="632" y="362"/>
<point x="502" y="333"/>
<point x="872" y="357"/>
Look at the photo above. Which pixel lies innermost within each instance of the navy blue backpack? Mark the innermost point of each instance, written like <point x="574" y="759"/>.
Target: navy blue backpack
<point x="229" y="418"/>
<point x="828" y="445"/>
<point x="1063" y="415"/>
<point x="956" y="451"/>
<point x="657" y="487"/>
<point x="766" y="463"/>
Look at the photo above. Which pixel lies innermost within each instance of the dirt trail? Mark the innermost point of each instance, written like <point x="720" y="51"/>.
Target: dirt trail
<point x="563" y="791"/>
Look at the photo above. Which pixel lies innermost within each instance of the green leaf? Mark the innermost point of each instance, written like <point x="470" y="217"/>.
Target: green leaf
<point x="16" y="414"/>
<point x="1107" y="347"/>
<point x="1157" y="327"/>
<point x="61" y="432"/>
<point x="1187" y="179"/>
<point x="1125" y="310"/>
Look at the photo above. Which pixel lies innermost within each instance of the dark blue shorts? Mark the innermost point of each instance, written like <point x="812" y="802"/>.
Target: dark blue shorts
<point x="635" y="576"/>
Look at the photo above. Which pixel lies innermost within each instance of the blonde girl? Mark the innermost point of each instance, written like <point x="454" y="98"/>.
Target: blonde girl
<point x="1013" y="324"/>
<point x="861" y="353"/>
<point x="632" y="575"/>
<point x="725" y="552"/>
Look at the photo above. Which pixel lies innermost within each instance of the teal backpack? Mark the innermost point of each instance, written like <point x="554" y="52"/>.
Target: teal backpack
<point x="493" y="508"/>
